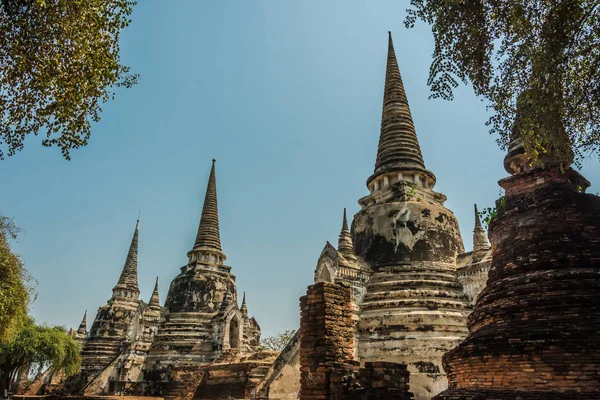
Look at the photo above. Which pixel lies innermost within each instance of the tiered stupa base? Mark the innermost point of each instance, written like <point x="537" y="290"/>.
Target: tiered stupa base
<point x="413" y="314"/>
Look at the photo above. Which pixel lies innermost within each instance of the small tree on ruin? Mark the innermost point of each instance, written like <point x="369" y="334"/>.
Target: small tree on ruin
<point x="278" y="341"/>
<point x="59" y="61"/>
<point x="544" y="53"/>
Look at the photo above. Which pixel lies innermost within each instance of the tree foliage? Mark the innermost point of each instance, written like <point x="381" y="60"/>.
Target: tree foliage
<point x="38" y="347"/>
<point x="15" y="289"/>
<point x="277" y="342"/>
<point x="59" y="61"/>
<point x="544" y="53"/>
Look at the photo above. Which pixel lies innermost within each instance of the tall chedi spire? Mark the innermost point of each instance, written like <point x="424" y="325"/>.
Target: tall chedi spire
<point x="127" y="286"/>
<point x="345" y="245"/>
<point x="207" y="248"/>
<point x="399" y="155"/>
<point x="410" y="241"/>
<point x="154" y="302"/>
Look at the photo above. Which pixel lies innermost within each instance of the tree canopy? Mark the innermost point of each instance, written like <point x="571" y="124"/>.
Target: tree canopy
<point x="545" y="54"/>
<point x="38" y="347"/>
<point x="59" y="61"/>
<point x="15" y="289"/>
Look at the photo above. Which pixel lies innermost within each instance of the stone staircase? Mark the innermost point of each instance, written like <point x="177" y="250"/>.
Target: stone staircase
<point x="185" y="384"/>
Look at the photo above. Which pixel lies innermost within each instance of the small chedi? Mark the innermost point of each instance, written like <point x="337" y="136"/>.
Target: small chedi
<point x="201" y="343"/>
<point x="114" y="349"/>
<point x="473" y="266"/>
<point x="535" y="329"/>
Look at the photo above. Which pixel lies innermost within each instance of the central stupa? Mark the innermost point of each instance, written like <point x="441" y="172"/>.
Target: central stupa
<point x="414" y="309"/>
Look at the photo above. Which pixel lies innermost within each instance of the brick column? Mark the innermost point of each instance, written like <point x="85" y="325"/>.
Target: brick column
<point x="326" y="337"/>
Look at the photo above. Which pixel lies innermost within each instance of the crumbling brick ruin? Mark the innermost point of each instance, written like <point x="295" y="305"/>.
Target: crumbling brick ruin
<point x="326" y="337"/>
<point x="326" y="352"/>
<point x="535" y="330"/>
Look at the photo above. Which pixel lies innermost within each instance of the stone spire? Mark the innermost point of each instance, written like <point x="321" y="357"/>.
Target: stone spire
<point x="398" y="148"/>
<point x="480" y="242"/>
<point x="244" y="307"/>
<point x="154" y="302"/>
<point x="83" y="326"/>
<point x="208" y="239"/>
<point x="345" y="245"/>
<point x="208" y="230"/>
<point x="128" y="281"/>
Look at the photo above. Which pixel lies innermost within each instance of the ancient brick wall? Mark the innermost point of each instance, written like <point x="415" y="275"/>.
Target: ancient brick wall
<point x="535" y="330"/>
<point x="326" y="348"/>
<point x="377" y="380"/>
<point x="326" y="337"/>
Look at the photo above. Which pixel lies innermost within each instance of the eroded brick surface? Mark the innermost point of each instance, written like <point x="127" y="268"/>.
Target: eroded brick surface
<point x="535" y="330"/>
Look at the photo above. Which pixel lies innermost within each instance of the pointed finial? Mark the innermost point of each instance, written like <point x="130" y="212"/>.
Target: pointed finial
<point x="345" y="221"/>
<point x="345" y="245"/>
<point x="208" y="229"/>
<point x="154" y="302"/>
<point x="128" y="279"/>
<point x="244" y="307"/>
<point x="83" y="326"/>
<point x="398" y="148"/>
<point x="477" y="219"/>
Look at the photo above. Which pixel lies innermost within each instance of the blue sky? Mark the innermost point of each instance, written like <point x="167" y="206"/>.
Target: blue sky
<point x="287" y="97"/>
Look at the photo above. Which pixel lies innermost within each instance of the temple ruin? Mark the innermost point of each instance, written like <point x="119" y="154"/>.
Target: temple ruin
<point x="398" y="310"/>
<point x="140" y="348"/>
<point x="202" y="320"/>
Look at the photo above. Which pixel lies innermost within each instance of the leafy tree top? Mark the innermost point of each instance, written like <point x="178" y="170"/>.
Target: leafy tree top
<point x="59" y="61"/>
<point x="545" y="54"/>
<point x="278" y="341"/>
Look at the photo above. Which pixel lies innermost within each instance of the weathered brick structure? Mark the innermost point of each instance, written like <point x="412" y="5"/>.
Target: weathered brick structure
<point x="326" y="337"/>
<point x="377" y="380"/>
<point x="535" y="330"/>
<point x="326" y="352"/>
